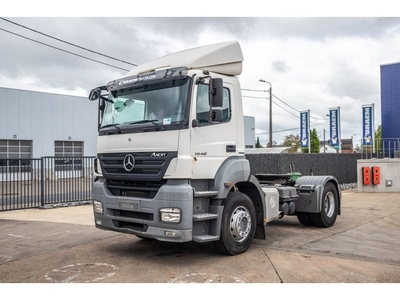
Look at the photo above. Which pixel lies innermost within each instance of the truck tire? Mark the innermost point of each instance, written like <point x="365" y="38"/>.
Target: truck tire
<point x="329" y="210"/>
<point x="305" y="218"/>
<point x="238" y="224"/>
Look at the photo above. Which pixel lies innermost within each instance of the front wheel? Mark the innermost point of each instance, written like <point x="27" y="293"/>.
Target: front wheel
<point x="330" y="206"/>
<point x="238" y="224"/>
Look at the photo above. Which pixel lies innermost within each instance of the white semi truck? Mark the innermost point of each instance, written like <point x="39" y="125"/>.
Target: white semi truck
<point x="171" y="161"/>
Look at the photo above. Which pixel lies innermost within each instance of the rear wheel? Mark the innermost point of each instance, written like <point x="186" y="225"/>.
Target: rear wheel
<point x="329" y="210"/>
<point x="238" y="224"/>
<point x="305" y="218"/>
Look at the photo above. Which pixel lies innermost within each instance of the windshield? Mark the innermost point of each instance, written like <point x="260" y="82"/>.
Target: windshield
<point x="161" y="103"/>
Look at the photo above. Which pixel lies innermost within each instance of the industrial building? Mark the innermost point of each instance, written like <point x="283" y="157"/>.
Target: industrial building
<point x="37" y="124"/>
<point x="249" y="132"/>
<point x="390" y="101"/>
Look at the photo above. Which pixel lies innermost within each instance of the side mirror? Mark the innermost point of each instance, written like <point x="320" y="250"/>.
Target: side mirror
<point x="129" y="102"/>
<point x="217" y="114"/>
<point x="195" y="123"/>
<point x="95" y="94"/>
<point x="216" y="92"/>
<point x="119" y="106"/>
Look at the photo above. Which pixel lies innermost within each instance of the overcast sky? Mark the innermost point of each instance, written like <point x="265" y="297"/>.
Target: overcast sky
<point x="313" y="61"/>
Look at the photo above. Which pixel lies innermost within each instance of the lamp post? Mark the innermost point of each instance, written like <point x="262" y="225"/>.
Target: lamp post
<point x="324" y="135"/>
<point x="352" y="143"/>
<point x="270" y="111"/>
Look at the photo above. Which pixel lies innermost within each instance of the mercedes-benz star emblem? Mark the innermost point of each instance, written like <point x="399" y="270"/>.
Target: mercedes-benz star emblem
<point x="129" y="162"/>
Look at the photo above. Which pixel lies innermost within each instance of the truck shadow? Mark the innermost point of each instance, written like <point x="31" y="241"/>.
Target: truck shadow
<point x="156" y="250"/>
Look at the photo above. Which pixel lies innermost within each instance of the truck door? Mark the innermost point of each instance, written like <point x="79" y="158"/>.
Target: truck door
<point x="213" y="135"/>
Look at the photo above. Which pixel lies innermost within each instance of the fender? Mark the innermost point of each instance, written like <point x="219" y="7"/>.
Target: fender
<point x="234" y="169"/>
<point x="310" y="190"/>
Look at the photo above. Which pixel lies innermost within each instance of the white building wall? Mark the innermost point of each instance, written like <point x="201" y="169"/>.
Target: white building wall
<point x="45" y="118"/>
<point x="389" y="175"/>
<point x="3" y="113"/>
<point x="249" y="131"/>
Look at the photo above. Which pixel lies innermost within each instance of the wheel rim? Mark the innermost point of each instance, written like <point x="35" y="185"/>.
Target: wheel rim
<point x="329" y="204"/>
<point x="240" y="223"/>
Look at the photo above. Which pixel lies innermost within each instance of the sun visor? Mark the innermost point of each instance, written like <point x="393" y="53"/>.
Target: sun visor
<point x="224" y="58"/>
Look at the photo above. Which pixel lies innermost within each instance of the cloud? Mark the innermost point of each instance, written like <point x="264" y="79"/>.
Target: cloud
<point x="313" y="63"/>
<point x="321" y="28"/>
<point x="280" y="66"/>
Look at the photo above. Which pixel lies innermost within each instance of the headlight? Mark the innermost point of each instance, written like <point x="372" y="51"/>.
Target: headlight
<point x="172" y="215"/>
<point x="98" y="207"/>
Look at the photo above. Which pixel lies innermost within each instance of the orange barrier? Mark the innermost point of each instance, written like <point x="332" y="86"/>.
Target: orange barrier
<point x="366" y="175"/>
<point x="376" y="175"/>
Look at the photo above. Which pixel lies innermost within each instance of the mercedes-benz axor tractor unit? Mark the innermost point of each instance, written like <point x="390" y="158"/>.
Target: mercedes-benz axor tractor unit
<point x="171" y="161"/>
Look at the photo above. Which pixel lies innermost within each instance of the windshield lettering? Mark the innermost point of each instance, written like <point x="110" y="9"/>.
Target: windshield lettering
<point x="137" y="79"/>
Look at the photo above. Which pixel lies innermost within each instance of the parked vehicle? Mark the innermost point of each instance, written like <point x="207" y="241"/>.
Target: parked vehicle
<point x="171" y="163"/>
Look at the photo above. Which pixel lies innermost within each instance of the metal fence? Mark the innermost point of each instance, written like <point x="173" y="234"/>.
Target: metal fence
<point x="39" y="182"/>
<point x="380" y="148"/>
<point x="341" y="165"/>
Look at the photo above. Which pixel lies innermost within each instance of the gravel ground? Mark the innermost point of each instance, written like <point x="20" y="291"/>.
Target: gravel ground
<point x="347" y="186"/>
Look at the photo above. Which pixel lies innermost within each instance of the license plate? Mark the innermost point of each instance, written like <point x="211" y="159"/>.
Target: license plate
<point x="128" y="206"/>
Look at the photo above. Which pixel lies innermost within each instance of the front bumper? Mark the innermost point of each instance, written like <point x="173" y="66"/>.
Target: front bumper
<point x="141" y="216"/>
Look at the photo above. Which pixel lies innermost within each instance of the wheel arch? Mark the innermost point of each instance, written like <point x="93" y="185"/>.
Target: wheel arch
<point x="233" y="170"/>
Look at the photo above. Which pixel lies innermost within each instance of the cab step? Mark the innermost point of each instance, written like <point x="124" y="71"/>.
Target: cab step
<point x="205" y="194"/>
<point x="204" y="217"/>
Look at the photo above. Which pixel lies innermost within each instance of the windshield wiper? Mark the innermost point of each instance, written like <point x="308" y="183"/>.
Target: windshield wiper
<point x="112" y="125"/>
<point x="159" y="127"/>
<point x="144" y="121"/>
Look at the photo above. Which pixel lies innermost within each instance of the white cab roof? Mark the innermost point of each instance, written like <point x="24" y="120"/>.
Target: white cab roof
<point x="224" y="58"/>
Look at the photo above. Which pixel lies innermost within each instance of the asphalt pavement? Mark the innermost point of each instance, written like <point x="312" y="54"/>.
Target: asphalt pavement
<point x="61" y="245"/>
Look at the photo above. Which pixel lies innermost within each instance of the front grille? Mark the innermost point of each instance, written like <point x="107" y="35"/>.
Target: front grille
<point x="148" y="166"/>
<point x="131" y="225"/>
<point x="137" y="189"/>
<point x="132" y="214"/>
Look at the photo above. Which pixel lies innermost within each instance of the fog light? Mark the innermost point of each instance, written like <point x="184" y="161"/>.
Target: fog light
<point x="98" y="207"/>
<point x="172" y="215"/>
<point x="169" y="233"/>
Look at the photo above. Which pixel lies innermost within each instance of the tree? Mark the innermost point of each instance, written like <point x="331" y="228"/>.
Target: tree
<point x="378" y="139"/>
<point x="314" y="141"/>
<point x="258" y="145"/>
<point x="292" y="141"/>
<point x="378" y="143"/>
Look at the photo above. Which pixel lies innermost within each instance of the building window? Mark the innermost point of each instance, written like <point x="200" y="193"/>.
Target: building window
<point x="68" y="155"/>
<point x="15" y="155"/>
<point x="68" y="148"/>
